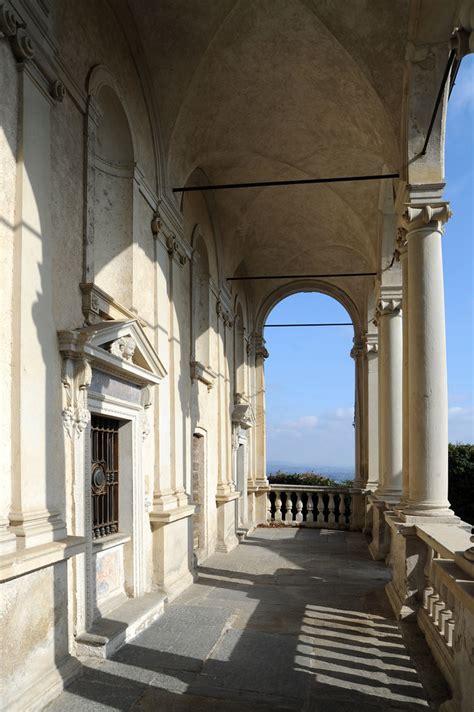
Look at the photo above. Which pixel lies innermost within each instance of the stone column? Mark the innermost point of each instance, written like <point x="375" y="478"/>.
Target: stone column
<point x="390" y="397"/>
<point x="357" y="353"/>
<point x="389" y="490"/>
<point x="402" y="247"/>
<point x="428" y="408"/>
<point x="261" y="354"/>
<point x="372" y="367"/>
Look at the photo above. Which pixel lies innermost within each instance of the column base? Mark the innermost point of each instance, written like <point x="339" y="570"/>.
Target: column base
<point x="37" y="527"/>
<point x="414" y="514"/>
<point x="408" y="555"/>
<point x="7" y="538"/>
<point x="172" y="550"/>
<point x="226" y="523"/>
<point x="378" y="548"/>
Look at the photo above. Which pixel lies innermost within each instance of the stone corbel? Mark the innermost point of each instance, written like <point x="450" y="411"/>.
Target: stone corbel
<point x="401" y="242"/>
<point x="242" y="413"/>
<point x="202" y="373"/>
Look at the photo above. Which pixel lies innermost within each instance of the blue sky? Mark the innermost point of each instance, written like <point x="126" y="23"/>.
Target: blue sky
<point x="310" y="408"/>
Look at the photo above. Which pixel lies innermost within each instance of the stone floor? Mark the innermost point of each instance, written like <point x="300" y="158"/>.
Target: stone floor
<point x="290" y="620"/>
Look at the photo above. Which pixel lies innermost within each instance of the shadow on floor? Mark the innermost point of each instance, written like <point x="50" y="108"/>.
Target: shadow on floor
<point x="290" y="620"/>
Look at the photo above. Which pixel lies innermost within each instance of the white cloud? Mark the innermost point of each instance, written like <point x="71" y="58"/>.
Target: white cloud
<point x="461" y="424"/>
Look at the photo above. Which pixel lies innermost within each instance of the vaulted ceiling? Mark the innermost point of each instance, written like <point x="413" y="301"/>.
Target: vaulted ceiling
<point x="250" y="90"/>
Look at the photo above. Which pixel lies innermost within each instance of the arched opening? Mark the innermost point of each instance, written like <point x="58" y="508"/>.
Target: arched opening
<point x="113" y="204"/>
<point x="310" y="386"/>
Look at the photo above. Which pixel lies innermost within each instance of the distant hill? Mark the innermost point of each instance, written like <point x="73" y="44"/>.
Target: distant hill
<point x="343" y="472"/>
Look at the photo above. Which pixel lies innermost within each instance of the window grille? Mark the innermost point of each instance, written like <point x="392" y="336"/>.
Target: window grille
<point x="104" y="475"/>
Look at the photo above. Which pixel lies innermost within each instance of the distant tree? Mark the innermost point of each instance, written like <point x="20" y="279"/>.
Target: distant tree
<point x="306" y="478"/>
<point x="461" y="480"/>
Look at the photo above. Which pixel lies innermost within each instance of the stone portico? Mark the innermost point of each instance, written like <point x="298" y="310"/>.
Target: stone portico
<point x="132" y="432"/>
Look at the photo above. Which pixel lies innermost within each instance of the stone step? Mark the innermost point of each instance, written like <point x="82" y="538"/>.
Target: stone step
<point x="110" y="633"/>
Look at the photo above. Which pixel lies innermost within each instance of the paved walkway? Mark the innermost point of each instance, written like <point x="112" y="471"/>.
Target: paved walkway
<point x="290" y="620"/>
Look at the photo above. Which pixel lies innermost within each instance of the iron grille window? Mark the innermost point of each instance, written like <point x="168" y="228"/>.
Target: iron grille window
<point x="104" y="475"/>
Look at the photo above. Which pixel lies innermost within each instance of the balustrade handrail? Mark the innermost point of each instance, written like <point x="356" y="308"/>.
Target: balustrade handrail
<point x="274" y="487"/>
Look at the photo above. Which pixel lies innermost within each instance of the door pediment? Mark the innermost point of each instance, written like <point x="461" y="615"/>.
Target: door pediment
<point x="118" y="347"/>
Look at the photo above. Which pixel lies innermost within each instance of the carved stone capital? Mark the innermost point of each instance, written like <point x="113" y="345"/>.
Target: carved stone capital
<point x="370" y="344"/>
<point x="462" y="41"/>
<point x="260" y="349"/>
<point x="389" y="305"/>
<point x="357" y="351"/>
<point x="420" y="215"/>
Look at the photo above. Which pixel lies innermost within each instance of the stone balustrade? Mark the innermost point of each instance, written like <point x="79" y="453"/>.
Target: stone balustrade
<point x="311" y="506"/>
<point x="446" y="612"/>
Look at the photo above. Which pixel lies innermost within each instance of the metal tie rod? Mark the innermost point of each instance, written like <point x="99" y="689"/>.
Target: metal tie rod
<point x="278" y="183"/>
<point x="273" y="326"/>
<point x="303" y="276"/>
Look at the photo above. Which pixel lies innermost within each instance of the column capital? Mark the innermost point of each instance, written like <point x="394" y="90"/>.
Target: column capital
<point x="370" y="344"/>
<point x="357" y="350"/>
<point x="424" y="214"/>
<point x="259" y="345"/>
<point x="389" y="304"/>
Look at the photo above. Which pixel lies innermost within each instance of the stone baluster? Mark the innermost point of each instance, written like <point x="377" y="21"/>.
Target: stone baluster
<point x="288" y="507"/>
<point x="331" y="507"/>
<point x="320" y="508"/>
<point x="299" y="508"/>
<point x="342" y="510"/>
<point x="310" y="508"/>
<point x="269" y="508"/>
<point x="278" y="514"/>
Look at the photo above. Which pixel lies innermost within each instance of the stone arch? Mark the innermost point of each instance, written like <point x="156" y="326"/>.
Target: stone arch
<point x="310" y="285"/>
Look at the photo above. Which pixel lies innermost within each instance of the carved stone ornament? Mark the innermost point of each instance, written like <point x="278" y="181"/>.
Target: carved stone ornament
<point x="260" y="348"/>
<point x="401" y="242"/>
<point x="57" y="90"/>
<point x="357" y="351"/>
<point x="174" y="249"/>
<point x="15" y="30"/>
<point x="156" y="224"/>
<point x="242" y="413"/>
<point x="76" y="379"/>
<point x="147" y="402"/>
<point x="124" y="347"/>
<point x="469" y="553"/>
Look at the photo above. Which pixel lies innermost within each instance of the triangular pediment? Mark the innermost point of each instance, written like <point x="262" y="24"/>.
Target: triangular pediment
<point x="119" y="347"/>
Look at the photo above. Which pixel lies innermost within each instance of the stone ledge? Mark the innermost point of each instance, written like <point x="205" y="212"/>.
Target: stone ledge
<point x="109" y="542"/>
<point x="24" y="561"/>
<point x="228" y="497"/>
<point x="108" y="634"/>
<point x="173" y="515"/>
<point x="447" y="539"/>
